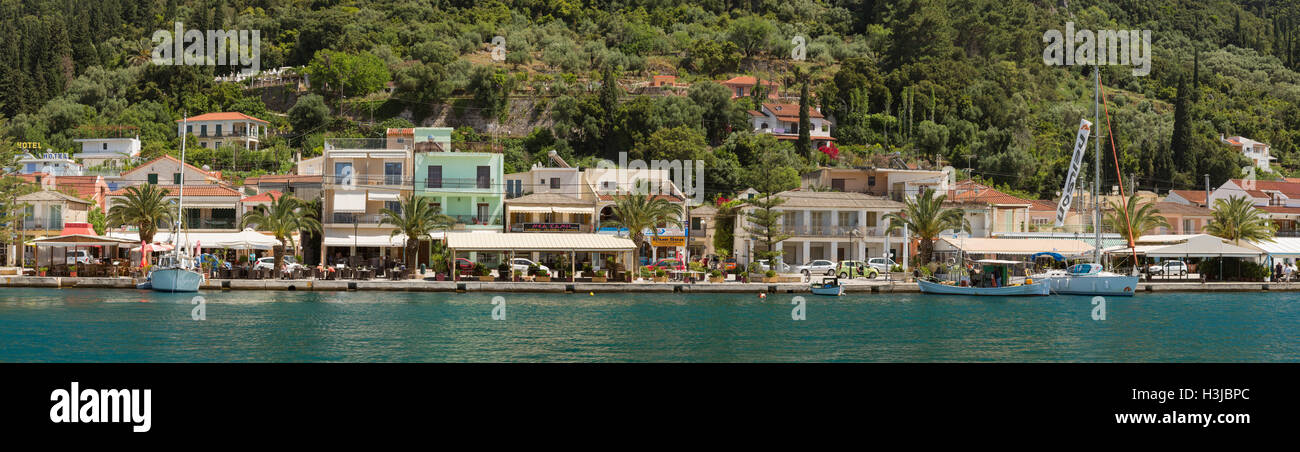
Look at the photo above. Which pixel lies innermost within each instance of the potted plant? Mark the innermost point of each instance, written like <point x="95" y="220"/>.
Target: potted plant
<point x="41" y="271"/>
<point x="897" y="273"/>
<point x="518" y="275"/>
<point x="599" y="276"/>
<point x="503" y="272"/>
<point x="542" y="276"/>
<point x="716" y="276"/>
<point x="743" y="276"/>
<point x="661" y="275"/>
<point x="72" y="271"/>
<point x="482" y="272"/>
<point x="770" y="276"/>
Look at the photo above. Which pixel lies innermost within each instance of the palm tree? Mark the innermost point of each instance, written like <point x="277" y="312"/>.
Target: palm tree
<point x="286" y="216"/>
<point x="1141" y="219"/>
<point x="638" y="212"/>
<point x="144" y="206"/>
<point x="1237" y="219"/>
<point x="417" y="219"/>
<point x="925" y="219"/>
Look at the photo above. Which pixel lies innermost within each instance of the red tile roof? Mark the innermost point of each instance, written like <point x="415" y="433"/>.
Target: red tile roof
<point x="1174" y="208"/>
<point x="785" y="111"/>
<point x="747" y="80"/>
<point x="1196" y="196"/>
<point x="1042" y="205"/>
<point x="1290" y="189"/>
<point x="86" y="187"/>
<point x="264" y="197"/>
<point x="215" y="174"/>
<point x="223" y="116"/>
<point x="190" y="190"/>
<point x="1280" y="209"/>
<point x="970" y="192"/>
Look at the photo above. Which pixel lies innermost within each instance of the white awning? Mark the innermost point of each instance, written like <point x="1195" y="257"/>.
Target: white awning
<point x="388" y="155"/>
<point x="574" y="210"/>
<point x="538" y="209"/>
<point x="368" y="239"/>
<point x="542" y="241"/>
<point x="1204" y="246"/>
<point x="979" y="245"/>
<point x="384" y="196"/>
<point x="350" y="201"/>
<point x="231" y="240"/>
<point x="1280" y="247"/>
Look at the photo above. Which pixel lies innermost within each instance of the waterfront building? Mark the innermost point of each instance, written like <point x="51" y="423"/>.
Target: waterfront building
<point x="212" y="130"/>
<point x="989" y="211"/>
<point x="467" y="186"/>
<point x="1280" y="200"/>
<point x="304" y="187"/>
<point x="1183" y="218"/>
<point x="362" y="177"/>
<point x="827" y="225"/>
<point x="90" y="188"/>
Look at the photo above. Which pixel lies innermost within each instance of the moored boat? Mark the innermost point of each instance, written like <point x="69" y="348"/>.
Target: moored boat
<point x="832" y="288"/>
<point x="1089" y="279"/>
<point x="1033" y="288"/>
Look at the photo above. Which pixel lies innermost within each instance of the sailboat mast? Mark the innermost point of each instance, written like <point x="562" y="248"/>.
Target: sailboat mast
<point x="180" y="191"/>
<point x="1096" y="183"/>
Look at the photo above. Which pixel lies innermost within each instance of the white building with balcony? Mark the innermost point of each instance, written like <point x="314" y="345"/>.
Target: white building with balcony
<point x="782" y="120"/>
<point x="1257" y="152"/>
<point x="108" y="152"/>
<point x="827" y="225"/>
<point x="213" y="130"/>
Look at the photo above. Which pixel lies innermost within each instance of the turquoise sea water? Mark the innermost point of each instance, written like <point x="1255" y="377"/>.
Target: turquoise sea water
<point x="81" y="325"/>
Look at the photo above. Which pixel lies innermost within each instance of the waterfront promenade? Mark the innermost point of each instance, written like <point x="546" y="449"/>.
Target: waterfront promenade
<point x="417" y="285"/>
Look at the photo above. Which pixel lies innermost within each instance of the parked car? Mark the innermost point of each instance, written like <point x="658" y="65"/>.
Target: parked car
<point x="79" y="257"/>
<point x="666" y="264"/>
<point x="522" y="265"/>
<point x="781" y="267"/>
<point x="268" y="263"/>
<point x="1169" y="268"/>
<point x="817" y="267"/>
<point x="856" y="269"/>
<point x="881" y="264"/>
<point x="464" y="264"/>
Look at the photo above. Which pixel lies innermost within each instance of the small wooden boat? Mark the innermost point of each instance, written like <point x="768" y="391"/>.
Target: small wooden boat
<point x="831" y="288"/>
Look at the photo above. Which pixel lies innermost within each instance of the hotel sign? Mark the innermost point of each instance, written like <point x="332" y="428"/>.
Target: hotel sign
<point x="668" y="241"/>
<point x="551" y="227"/>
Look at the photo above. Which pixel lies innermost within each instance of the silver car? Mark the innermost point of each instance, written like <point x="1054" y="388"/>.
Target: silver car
<point x="817" y="267"/>
<point x="881" y="264"/>
<point x="781" y="267"/>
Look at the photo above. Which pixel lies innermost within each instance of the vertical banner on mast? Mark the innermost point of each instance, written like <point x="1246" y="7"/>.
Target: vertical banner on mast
<point x="1067" y="193"/>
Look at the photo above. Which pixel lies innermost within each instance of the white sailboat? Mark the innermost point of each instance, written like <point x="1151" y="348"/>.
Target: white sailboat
<point x="1090" y="278"/>
<point x="175" y="273"/>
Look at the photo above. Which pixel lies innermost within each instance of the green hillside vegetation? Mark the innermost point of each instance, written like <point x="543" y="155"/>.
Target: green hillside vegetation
<point x="957" y="82"/>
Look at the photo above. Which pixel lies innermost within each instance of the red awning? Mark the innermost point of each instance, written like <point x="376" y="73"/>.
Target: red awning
<point x="78" y="229"/>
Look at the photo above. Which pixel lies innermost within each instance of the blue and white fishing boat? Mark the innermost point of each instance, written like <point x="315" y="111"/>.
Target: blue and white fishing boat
<point x="996" y="280"/>
<point x="830" y="287"/>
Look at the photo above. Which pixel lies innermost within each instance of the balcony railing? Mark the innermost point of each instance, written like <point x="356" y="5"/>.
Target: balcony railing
<point x="50" y="224"/>
<point x="818" y="230"/>
<point x="459" y="183"/>
<point x="358" y="218"/>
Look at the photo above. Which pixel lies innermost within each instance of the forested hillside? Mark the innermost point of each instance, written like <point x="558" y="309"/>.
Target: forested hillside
<point x="956" y="82"/>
